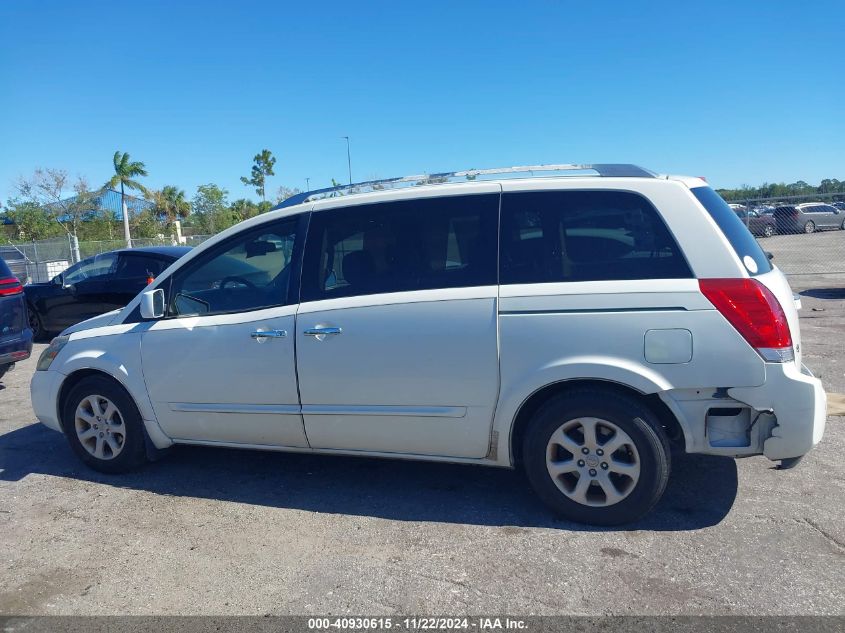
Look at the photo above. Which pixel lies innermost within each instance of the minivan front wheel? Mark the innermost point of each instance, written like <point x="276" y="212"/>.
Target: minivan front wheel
<point x="596" y="456"/>
<point x="103" y="425"/>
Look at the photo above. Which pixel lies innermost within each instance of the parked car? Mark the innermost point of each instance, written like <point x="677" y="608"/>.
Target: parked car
<point x="808" y="218"/>
<point x="95" y="285"/>
<point x="576" y="327"/>
<point x="838" y="205"/>
<point x="758" y="224"/>
<point x="15" y="335"/>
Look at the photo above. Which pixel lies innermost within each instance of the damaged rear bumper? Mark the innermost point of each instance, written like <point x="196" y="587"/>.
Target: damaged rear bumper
<point x="782" y="419"/>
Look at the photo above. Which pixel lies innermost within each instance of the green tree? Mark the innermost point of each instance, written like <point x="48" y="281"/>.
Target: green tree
<point x="211" y="209"/>
<point x="31" y="220"/>
<point x="125" y="172"/>
<point x="170" y="204"/>
<point x="261" y="169"/>
<point x="244" y="209"/>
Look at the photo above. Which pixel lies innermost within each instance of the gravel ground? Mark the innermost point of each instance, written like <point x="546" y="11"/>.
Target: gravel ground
<point x="210" y="531"/>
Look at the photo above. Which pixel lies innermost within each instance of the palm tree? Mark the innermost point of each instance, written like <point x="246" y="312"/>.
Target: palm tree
<point x="170" y="204"/>
<point x="124" y="173"/>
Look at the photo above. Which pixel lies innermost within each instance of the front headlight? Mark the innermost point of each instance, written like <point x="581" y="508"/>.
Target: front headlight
<point x="53" y="349"/>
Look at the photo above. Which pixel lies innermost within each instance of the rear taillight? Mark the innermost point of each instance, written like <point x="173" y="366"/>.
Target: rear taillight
<point x="755" y="313"/>
<point x="10" y="286"/>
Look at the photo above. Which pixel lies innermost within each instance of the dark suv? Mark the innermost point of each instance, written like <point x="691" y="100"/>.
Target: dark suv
<point x="15" y="335"/>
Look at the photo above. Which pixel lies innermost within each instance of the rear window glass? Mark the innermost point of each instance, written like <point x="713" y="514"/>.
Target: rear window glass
<point x="740" y="238"/>
<point x="4" y="270"/>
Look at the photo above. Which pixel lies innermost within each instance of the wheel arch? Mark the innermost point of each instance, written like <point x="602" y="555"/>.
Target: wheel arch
<point x="542" y="395"/>
<point x="155" y="437"/>
<point x="74" y="379"/>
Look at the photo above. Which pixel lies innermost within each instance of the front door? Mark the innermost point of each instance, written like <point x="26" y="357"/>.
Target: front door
<point x="220" y="366"/>
<point x="396" y="332"/>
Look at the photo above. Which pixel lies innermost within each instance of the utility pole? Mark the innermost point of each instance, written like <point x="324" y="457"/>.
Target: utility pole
<point x="348" y="159"/>
<point x="307" y="184"/>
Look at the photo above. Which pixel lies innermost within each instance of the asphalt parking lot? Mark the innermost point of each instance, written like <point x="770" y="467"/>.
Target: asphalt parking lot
<point x="210" y="531"/>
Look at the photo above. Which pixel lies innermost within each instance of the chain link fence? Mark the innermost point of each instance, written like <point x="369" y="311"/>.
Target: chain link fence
<point x="804" y="234"/>
<point x="36" y="262"/>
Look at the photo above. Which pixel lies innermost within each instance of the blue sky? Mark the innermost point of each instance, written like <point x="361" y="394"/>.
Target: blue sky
<point x="739" y="92"/>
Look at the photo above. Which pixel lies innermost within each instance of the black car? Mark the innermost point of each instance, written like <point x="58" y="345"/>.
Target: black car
<point x="15" y="335"/>
<point x="95" y="285"/>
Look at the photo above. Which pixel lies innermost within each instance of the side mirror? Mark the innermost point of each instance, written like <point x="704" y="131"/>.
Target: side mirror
<point x="58" y="280"/>
<point x="152" y="304"/>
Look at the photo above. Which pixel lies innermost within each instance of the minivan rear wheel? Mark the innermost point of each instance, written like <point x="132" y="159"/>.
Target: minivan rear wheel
<point x="103" y="425"/>
<point x="596" y="456"/>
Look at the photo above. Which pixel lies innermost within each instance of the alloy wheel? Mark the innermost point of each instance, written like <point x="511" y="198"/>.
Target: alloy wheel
<point x="593" y="462"/>
<point x="100" y="427"/>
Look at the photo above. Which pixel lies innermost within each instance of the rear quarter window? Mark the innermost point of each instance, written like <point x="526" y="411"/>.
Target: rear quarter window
<point x="743" y="243"/>
<point x="562" y="236"/>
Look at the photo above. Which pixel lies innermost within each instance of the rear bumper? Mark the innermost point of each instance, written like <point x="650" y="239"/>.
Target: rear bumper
<point x="799" y="404"/>
<point x="13" y="350"/>
<point x="782" y="419"/>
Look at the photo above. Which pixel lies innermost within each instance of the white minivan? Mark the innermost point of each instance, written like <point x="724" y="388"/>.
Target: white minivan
<point x="578" y="325"/>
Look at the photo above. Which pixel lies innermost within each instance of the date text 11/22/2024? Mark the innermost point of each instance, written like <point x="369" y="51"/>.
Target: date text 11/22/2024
<point x="416" y="623"/>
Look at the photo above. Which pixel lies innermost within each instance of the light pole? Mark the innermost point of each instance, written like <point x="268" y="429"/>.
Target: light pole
<point x="348" y="158"/>
<point x="307" y="184"/>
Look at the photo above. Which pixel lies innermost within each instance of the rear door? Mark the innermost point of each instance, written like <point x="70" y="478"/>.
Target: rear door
<point x="396" y="330"/>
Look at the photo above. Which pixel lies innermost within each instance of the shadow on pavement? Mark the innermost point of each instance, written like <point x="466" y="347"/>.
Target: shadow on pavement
<point x="824" y="293"/>
<point x="700" y="493"/>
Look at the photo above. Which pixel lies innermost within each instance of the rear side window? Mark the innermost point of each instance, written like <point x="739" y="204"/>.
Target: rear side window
<point x="554" y="236"/>
<point x="401" y="246"/>
<point x="740" y="238"/>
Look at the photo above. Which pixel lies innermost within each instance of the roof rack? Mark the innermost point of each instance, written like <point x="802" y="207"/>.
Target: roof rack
<point x="608" y="170"/>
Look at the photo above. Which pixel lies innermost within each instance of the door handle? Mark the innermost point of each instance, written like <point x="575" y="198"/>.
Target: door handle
<point x="259" y="334"/>
<point x="322" y="331"/>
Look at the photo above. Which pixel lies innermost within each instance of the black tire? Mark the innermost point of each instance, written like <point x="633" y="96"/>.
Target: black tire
<point x="628" y="414"/>
<point x="4" y="369"/>
<point x="842" y="226"/>
<point x="132" y="452"/>
<point x="35" y="324"/>
<point x="810" y="227"/>
<point x="768" y="231"/>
